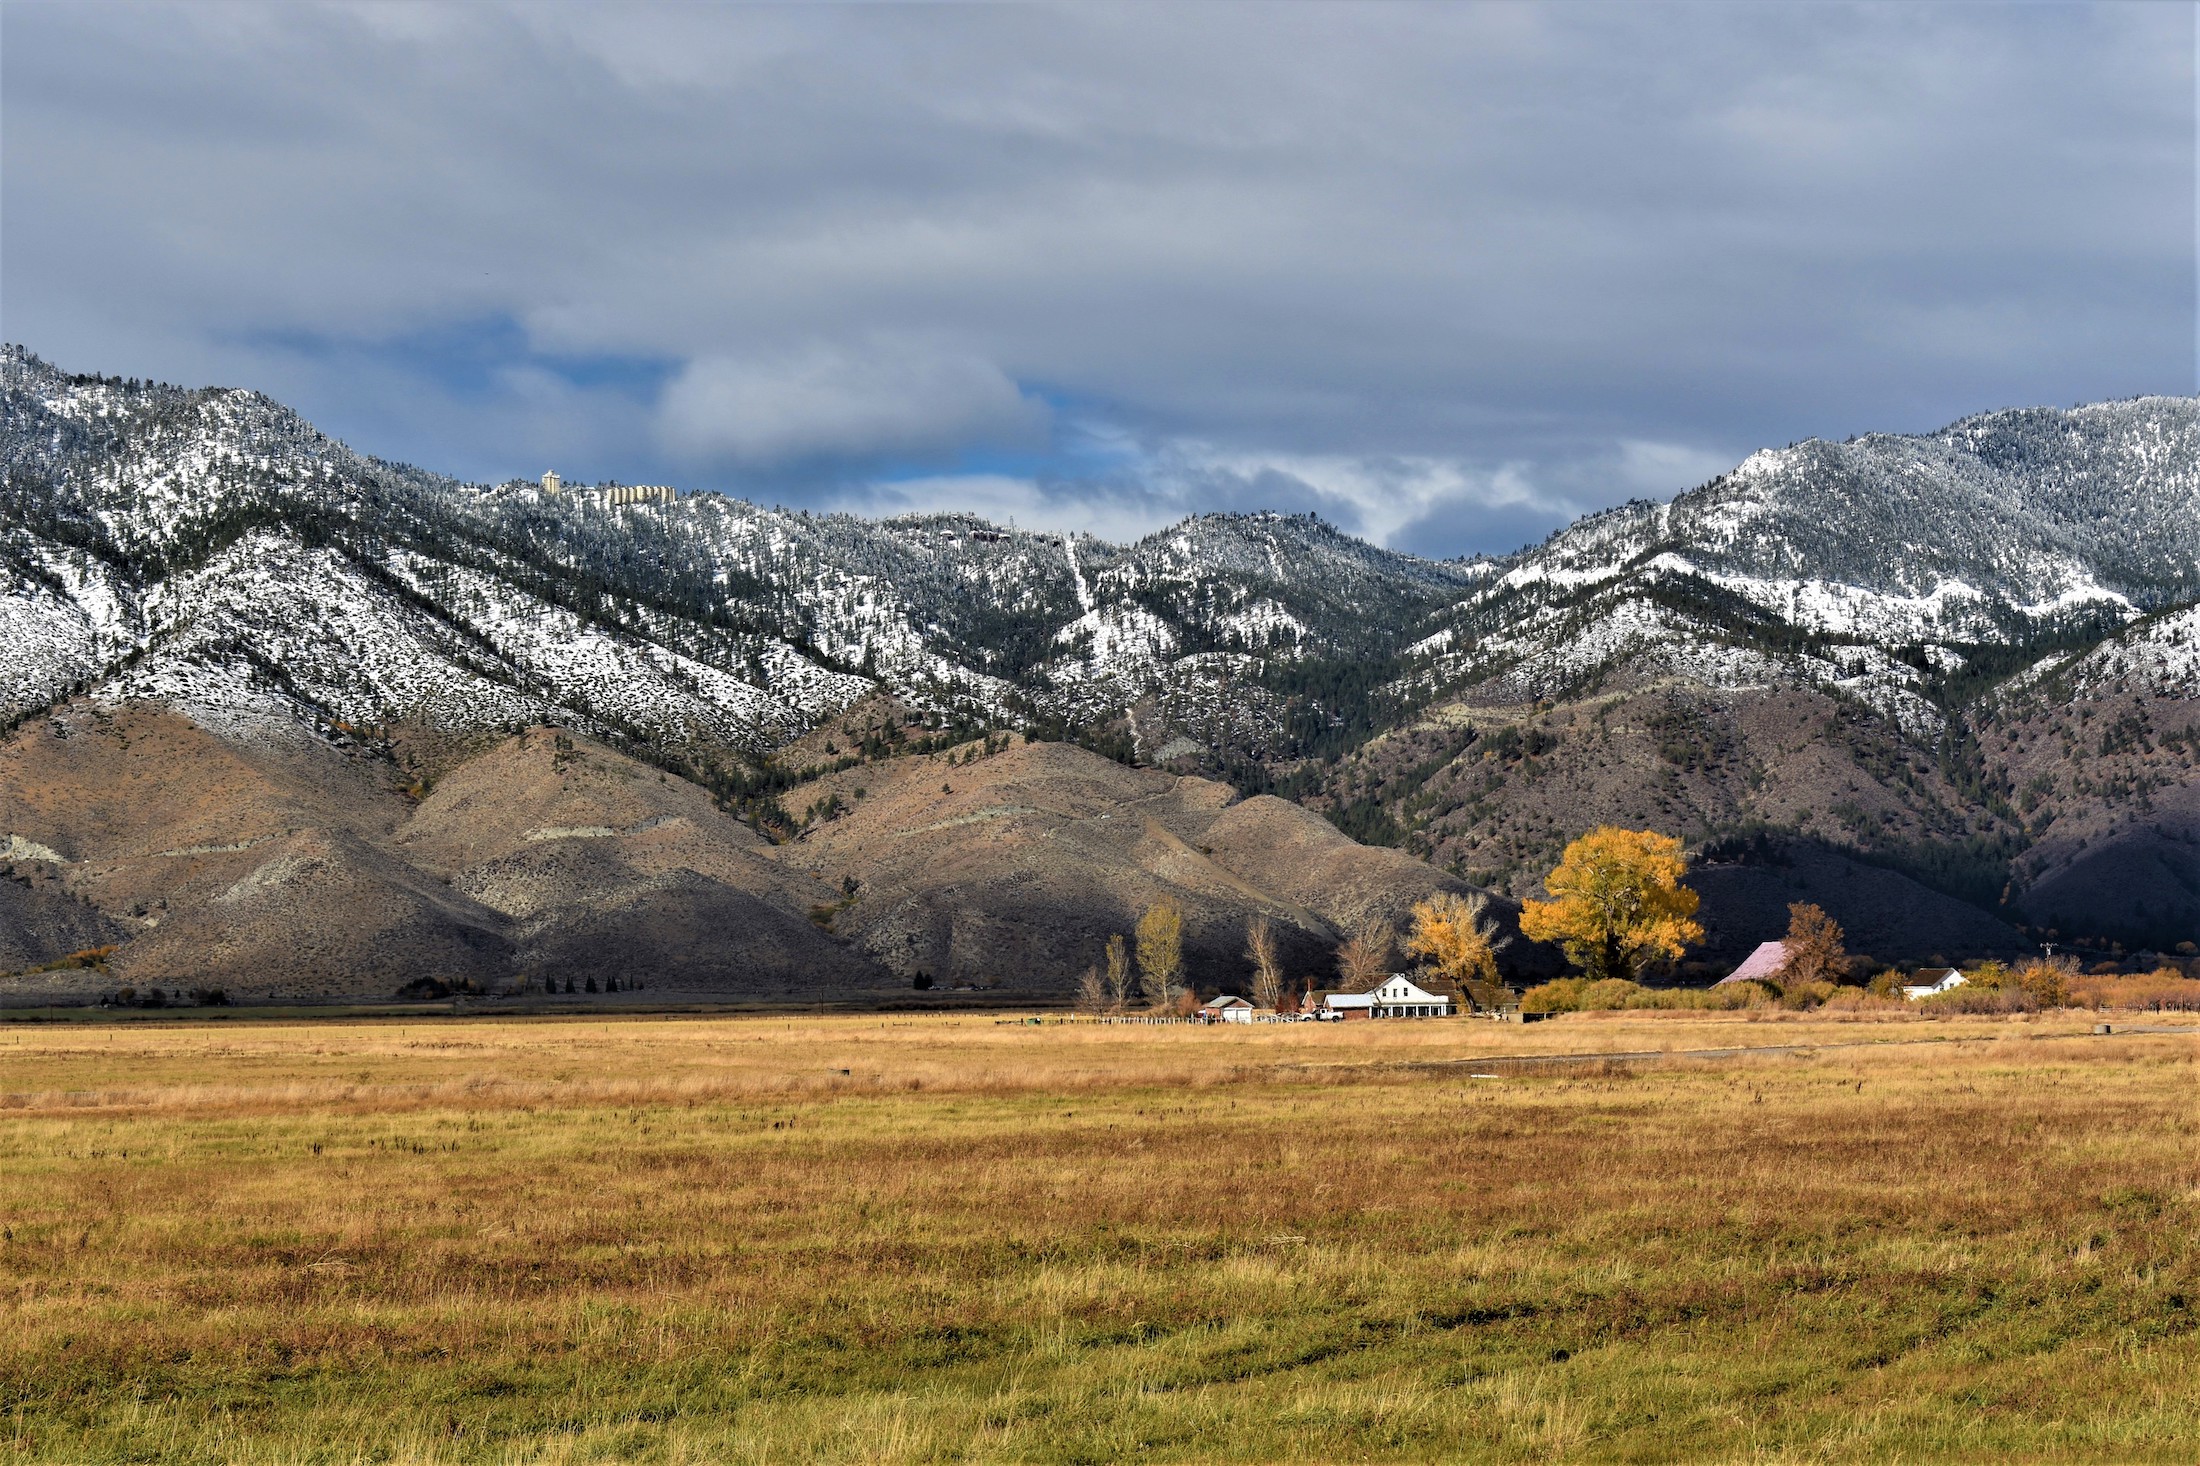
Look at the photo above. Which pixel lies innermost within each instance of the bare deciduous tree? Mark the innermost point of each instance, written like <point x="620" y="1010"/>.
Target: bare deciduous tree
<point x="1092" y="992"/>
<point x="1119" y="973"/>
<point x="1364" y="959"/>
<point x="1261" y="951"/>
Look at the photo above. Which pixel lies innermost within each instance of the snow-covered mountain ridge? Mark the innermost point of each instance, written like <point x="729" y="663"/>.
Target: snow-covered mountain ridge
<point x="192" y="544"/>
<point x="2002" y="530"/>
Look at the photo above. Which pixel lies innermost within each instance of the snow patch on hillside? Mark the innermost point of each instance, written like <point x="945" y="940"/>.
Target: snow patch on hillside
<point x="2161" y="656"/>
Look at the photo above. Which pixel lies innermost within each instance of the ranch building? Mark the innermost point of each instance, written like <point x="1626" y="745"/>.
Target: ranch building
<point x="1395" y="998"/>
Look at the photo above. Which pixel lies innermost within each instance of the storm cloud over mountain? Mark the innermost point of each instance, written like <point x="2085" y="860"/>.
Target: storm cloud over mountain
<point x="1448" y="276"/>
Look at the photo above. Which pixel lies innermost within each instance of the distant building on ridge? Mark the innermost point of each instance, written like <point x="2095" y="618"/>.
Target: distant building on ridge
<point x="619" y="494"/>
<point x="613" y="496"/>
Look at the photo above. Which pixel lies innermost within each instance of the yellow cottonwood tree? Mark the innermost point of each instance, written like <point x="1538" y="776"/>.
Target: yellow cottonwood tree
<point x="1161" y="951"/>
<point x="1457" y="941"/>
<point x="1617" y="903"/>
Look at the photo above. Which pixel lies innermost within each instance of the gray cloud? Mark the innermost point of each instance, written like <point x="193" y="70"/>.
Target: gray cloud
<point x="1451" y="272"/>
<point x="876" y="397"/>
<point x="1431" y="503"/>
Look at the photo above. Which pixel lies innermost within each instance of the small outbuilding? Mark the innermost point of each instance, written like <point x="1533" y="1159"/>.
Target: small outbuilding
<point x="1930" y="981"/>
<point x="1762" y="965"/>
<point x="1227" y="1008"/>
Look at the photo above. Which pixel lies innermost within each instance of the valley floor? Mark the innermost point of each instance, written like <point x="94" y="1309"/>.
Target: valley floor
<point x="959" y="1238"/>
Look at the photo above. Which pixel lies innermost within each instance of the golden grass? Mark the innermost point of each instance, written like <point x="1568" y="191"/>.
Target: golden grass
<point x="916" y="1239"/>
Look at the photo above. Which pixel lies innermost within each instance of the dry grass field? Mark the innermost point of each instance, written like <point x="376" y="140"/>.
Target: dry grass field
<point x="920" y="1238"/>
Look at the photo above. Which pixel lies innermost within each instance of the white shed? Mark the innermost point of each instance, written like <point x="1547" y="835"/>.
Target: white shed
<point x="1227" y="1008"/>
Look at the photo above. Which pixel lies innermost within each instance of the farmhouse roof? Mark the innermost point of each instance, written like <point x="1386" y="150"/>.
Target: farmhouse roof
<point x="1761" y="965"/>
<point x="1932" y="980"/>
<point x="1226" y="1000"/>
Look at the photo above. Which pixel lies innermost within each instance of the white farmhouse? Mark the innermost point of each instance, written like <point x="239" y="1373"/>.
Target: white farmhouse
<point x="1395" y="998"/>
<point x="1938" y="980"/>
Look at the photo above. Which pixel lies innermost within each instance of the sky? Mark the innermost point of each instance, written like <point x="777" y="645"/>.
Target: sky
<point x="1449" y="276"/>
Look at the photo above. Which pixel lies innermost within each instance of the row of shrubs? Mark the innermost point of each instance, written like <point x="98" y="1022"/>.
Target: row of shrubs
<point x="1990" y="987"/>
<point x="156" y="998"/>
<point x="1584" y="995"/>
<point x="422" y="989"/>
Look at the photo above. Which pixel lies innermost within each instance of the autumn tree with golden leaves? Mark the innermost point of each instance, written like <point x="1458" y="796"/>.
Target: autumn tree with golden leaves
<point x="1457" y="940"/>
<point x="1161" y="952"/>
<point x="1617" y="903"/>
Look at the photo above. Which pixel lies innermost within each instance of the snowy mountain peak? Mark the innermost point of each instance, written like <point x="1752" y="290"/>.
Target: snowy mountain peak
<point x="209" y="547"/>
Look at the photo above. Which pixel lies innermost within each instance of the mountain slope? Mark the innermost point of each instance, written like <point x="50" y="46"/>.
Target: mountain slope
<point x="1011" y="863"/>
<point x="1831" y="643"/>
<point x="1925" y="653"/>
<point x="297" y="870"/>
